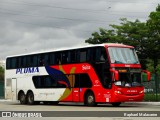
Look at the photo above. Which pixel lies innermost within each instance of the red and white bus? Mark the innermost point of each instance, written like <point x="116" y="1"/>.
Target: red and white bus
<point x="105" y="73"/>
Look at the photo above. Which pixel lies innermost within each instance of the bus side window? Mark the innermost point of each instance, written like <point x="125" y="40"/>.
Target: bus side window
<point x="85" y="81"/>
<point x="58" y="58"/>
<point x="28" y="63"/>
<point x="13" y="63"/>
<point x="8" y="63"/>
<point x="41" y="60"/>
<point x="74" y="56"/>
<point x="23" y="61"/>
<point x="83" y="55"/>
<point x="51" y="58"/>
<point x="107" y="80"/>
<point x="89" y="55"/>
<point x="46" y="59"/>
<point x="101" y="55"/>
<point x="76" y="82"/>
<point x="34" y="60"/>
<point x="64" y="57"/>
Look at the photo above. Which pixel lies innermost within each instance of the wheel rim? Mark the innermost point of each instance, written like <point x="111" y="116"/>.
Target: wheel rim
<point x="90" y="99"/>
<point x="22" y="98"/>
<point x="30" y="98"/>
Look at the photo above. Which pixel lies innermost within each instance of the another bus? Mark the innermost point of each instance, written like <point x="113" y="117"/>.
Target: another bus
<point x="104" y="73"/>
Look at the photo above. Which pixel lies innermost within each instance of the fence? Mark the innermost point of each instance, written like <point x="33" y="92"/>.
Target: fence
<point x="152" y="89"/>
<point x="1" y="90"/>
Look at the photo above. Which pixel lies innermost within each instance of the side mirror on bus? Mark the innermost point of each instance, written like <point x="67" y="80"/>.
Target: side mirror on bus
<point x="148" y="74"/>
<point x="116" y="75"/>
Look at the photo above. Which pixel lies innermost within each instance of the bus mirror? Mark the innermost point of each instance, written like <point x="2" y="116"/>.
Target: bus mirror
<point x="148" y="74"/>
<point x="116" y="75"/>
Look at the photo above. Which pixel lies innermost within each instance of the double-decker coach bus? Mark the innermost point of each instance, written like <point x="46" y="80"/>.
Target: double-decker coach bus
<point x="105" y="73"/>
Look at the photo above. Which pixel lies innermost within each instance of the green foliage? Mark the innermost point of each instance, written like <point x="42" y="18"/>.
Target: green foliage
<point x="151" y="97"/>
<point x="154" y="39"/>
<point x="150" y="66"/>
<point x="1" y="74"/>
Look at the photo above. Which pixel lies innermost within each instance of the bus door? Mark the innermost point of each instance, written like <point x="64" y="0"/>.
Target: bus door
<point x="76" y="89"/>
<point x="14" y="88"/>
<point x="76" y="94"/>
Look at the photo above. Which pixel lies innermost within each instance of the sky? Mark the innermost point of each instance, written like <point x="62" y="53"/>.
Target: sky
<point x="39" y="25"/>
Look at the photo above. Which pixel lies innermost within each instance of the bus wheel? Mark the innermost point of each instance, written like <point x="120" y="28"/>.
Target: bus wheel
<point x="116" y="104"/>
<point x="22" y="98"/>
<point x="90" y="99"/>
<point x="30" y="98"/>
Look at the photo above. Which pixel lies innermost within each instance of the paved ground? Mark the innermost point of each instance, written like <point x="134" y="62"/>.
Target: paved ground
<point x="125" y="107"/>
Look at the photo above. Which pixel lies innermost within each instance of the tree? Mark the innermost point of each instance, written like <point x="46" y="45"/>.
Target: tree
<point x="154" y="39"/>
<point x="1" y="73"/>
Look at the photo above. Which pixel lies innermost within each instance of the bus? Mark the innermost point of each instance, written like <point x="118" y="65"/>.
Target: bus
<point x="104" y="73"/>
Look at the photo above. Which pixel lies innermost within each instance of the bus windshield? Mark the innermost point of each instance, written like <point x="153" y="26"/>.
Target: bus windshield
<point x="123" y="55"/>
<point x="129" y="80"/>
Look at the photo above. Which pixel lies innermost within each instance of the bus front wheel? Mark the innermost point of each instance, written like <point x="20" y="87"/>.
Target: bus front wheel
<point x="22" y="98"/>
<point x="89" y="99"/>
<point x="30" y="98"/>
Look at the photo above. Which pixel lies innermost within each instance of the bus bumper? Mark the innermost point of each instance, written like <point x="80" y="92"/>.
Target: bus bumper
<point x="127" y="98"/>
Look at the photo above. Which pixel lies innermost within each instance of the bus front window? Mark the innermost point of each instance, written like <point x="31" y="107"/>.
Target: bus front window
<point x="123" y="55"/>
<point x="129" y="80"/>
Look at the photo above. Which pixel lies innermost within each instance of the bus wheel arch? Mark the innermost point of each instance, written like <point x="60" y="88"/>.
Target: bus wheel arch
<point x="22" y="97"/>
<point x="89" y="98"/>
<point x="30" y="97"/>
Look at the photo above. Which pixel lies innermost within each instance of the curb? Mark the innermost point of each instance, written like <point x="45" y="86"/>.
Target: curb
<point x="146" y="103"/>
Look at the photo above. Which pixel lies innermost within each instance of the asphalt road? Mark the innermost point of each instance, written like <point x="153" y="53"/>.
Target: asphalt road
<point x="135" y="108"/>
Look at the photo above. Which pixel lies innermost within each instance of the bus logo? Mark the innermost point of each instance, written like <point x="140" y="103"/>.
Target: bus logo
<point x="86" y="67"/>
<point x="27" y="70"/>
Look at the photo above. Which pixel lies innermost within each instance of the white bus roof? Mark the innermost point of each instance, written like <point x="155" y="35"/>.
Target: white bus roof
<point x="72" y="48"/>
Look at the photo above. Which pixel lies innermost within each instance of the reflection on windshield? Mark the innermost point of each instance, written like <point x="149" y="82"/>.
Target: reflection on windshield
<point x="123" y="55"/>
<point x="129" y="79"/>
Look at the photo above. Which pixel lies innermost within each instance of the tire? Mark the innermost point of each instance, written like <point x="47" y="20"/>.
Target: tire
<point x="90" y="99"/>
<point x="116" y="104"/>
<point x="22" y="98"/>
<point x="30" y="98"/>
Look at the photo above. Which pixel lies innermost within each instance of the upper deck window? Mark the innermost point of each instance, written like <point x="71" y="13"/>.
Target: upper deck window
<point x="123" y="55"/>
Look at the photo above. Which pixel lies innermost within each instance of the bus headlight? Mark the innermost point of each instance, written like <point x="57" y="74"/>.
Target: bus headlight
<point x="141" y="92"/>
<point x="118" y="92"/>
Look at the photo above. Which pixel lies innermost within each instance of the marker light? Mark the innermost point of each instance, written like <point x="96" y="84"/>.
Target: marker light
<point x="118" y="92"/>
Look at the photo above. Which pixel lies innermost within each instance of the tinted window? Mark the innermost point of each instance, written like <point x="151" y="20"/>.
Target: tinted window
<point x="44" y="82"/>
<point x="51" y="59"/>
<point x="46" y="59"/>
<point x="82" y="81"/>
<point x="85" y="81"/>
<point x="28" y="61"/>
<point x="57" y="58"/>
<point x="65" y="57"/>
<point x="24" y="61"/>
<point x="8" y="63"/>
<point x="13" y="63"/>
<point x="101" y="54"/>
<point x="83" y="56"/>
